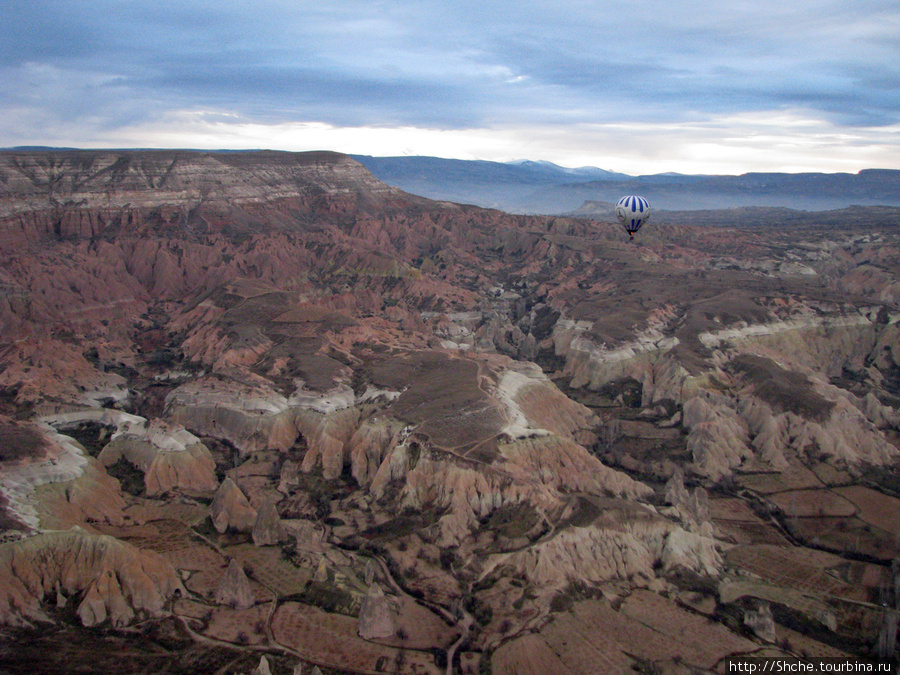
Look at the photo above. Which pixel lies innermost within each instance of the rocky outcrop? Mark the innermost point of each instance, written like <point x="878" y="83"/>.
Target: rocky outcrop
<point x="250" y="416"/>
<point x="170" y="457"/>
<point x="116" y="581"/>
<point x="370" y="444"/>
<point x="675" y="492"/>
<point x="377" y="616"/>
<point x="847" y="434"/>
<point x="692" y="551"/>
<point x="786" y="361"/>
<point x="633" y="548"/>
<point x="536" y="471"/>
<point x="465" y="492"/>
<point x="327" y="437"/>
<point x="39" y="369"/>
<point x="761" y="622"/>
<point x="724" y="434"/>
<point x="233" y="588"/>
<point x="61" y="486"/>
<point x="267" y="530"/>
<point x="692" y="506"/>
<point x="718" y="438"/>
<point x="536" y="404"/>
<point x="591" y="363"/>
<point x="231" y="510"/>
<point x="134" y="190"/>
<point x="562" y="464"/>
<point x="94" y="496"/>
<point x="263" y="667"/>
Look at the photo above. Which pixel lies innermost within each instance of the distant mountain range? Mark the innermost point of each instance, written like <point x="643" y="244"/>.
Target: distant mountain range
<point x="545" y="188"/>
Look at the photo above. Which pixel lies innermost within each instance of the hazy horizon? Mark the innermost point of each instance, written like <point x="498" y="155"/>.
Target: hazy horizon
<point x="519" y="160"/>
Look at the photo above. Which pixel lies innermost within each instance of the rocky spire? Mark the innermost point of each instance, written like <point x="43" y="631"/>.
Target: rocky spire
<point x="761" y="622"/>
<point x="676" y="493"/>
<point x="105" y="600"/>
<point x="234" y="587"/>
<point x="262" y="668"/>
<point x="376" y="616"/>
<point x="231" y="509"/>
<point x="693" y="506"/>
<point x="267" y="528"/>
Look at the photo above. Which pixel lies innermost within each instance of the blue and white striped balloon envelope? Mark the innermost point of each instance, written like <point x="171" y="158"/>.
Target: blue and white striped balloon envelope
<point x="632" y="211"/>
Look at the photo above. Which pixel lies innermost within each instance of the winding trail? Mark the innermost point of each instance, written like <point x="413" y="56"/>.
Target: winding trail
<point x="463" y="623"/>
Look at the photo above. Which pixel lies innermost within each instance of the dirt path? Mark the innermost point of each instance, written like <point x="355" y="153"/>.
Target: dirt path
<point x="462" y="623"/>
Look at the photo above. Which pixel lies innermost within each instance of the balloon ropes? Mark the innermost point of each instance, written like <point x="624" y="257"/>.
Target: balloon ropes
<point x="632" y="211"/>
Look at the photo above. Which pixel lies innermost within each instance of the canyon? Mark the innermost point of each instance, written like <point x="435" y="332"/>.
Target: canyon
<point x="263" y="407"/>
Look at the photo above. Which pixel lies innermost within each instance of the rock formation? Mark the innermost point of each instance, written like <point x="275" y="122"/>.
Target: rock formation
<point x="267" y="530"/>
<point x="231" y="510"/>
<point x="760" y="621"/>
<point x="479" y="407"/>
<point x="676" y="493"/>
<point x="627" y="550"/>
<point x="170" y="458"/>
<point x="115" y="580"/>
<point x="60" y="486"/>
<point x="233" y="588"/>
<point x="376" y="617"/>
<point x="262" y="668"/>
<point x="692" y="506"/>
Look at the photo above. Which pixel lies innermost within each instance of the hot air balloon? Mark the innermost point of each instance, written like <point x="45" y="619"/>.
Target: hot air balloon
<point x="632" y="211"/>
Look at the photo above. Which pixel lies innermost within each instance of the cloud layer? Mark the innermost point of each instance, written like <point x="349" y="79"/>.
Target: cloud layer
<point x="644" y="86"/>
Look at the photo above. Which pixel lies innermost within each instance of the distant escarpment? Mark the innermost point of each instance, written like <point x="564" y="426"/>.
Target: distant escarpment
<point x="263" y="400"/>
<point x="100" y="194"/>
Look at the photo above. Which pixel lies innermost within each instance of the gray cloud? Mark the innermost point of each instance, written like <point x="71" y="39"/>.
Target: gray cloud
<point x="451" y="65"/>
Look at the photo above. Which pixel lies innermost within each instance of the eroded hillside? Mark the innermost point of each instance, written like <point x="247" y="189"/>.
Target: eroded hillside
<point x="334" y="424"/>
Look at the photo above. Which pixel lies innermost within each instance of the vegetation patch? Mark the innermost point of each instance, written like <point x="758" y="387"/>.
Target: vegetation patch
<point x="629" y="389"/>
<point x="784" y="390"/>
<point x="329" y="598"/>
<point x="692" y="582"/>
<point x="886" y="478"/>
<point x="131" y="479"/>
<point x="583" y="514"/>
<point x="513" y="520"/>
<point x="801" y="623"/>
<point x="19" y="442"/>
<point x="92" y="436"/>
<point x="576" y="591"/>
<point x="401" y="526"/>
<point x="162" y="648"/>
<point x="318" y="492"/>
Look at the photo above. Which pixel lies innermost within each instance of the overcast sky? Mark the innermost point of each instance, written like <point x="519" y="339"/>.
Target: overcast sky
<point x="645" y="86"/>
